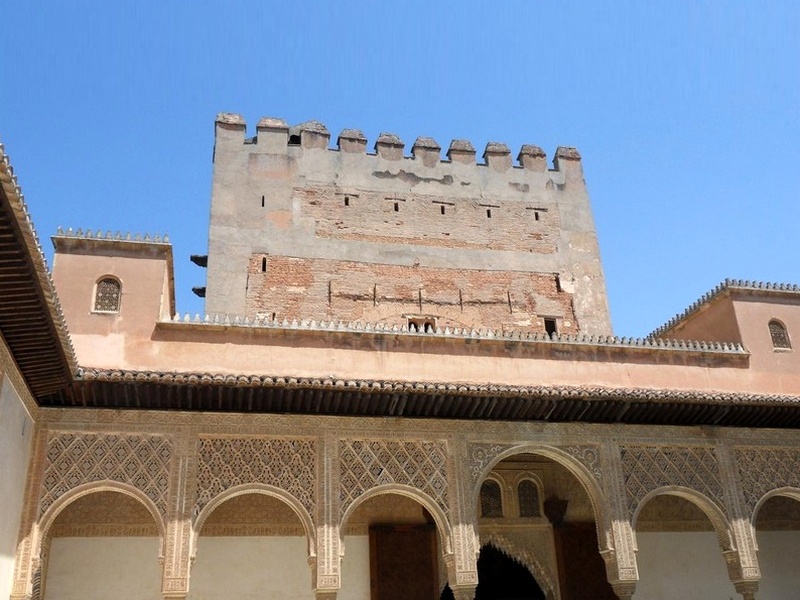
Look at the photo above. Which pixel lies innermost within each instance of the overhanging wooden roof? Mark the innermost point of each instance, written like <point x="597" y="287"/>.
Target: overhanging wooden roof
<point x="31" y="321"/>
<point x="150" y="390"/>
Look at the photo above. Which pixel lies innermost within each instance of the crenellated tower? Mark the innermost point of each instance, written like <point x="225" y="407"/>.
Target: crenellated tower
<point x="302" y="230"/>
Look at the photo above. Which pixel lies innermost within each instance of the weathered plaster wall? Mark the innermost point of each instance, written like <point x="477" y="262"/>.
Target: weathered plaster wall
<point x="16" y="428"/>
<point x="123" y="568"/>
<point x="686" y="565"/>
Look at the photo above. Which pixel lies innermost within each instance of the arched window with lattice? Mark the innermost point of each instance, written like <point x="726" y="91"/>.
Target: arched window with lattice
<point x="107" y="295"/>
<point x="528" y="497"/>
<point x="491" y="500"/>
<point x="779" y="335"/>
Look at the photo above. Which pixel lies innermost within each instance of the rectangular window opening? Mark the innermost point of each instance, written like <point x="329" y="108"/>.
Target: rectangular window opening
<point x="262" y="201"/>
<point x="488" y="213"/>
<point x="396" y="207"/>
<point x="550" y="327"/>
<point x="347" y="200"/>
<point x="441" y="208"/>
<point x="264" y="265"/>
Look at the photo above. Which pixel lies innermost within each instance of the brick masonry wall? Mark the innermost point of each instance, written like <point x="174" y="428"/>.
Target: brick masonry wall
<point x="323" y="289"/>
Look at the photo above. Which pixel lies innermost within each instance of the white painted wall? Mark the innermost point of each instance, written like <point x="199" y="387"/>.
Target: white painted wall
<point x="263" y="568"/>
<point x="685" y="565"/>
<point x="777" y="556"/>
<point x="100" y="568"/>
<point x="355" y="568"/>
<point x="15" y="446"/>
<point x="251" y="568"/>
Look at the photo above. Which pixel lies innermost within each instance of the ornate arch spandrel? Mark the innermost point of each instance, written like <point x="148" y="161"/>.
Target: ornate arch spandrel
<point x="413" y="464"/>
<point x="287" y="464"/>
<point x="137" y="460"/>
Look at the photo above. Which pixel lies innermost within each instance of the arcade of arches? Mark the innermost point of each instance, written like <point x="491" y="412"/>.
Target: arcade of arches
<point x="428" y="510"/>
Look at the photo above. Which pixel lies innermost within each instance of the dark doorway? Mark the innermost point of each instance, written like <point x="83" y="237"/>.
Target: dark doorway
<point x="501" y="578"/>
<point x="403" y="562"/>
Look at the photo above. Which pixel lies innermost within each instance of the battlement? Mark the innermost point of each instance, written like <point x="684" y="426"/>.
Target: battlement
<point x="299" y="227"/>
<point x="274" y="134"/>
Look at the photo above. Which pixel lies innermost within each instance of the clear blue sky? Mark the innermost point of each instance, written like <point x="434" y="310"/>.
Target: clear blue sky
<point x="686" y="114"/>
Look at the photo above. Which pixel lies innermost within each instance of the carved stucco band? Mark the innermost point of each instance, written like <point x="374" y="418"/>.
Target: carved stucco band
<point x="288" y="464"/>
<point x="366" y="464"/>
<point x="647" y="468"/>
<point x="764" y="469"/>
<point x="73" y="459"/>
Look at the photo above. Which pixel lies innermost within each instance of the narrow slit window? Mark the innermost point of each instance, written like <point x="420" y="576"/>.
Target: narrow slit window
<point x="347" y="200"/>
<point x="107" y="295"/>
<point x="396" y="207"/>
<point x="264" y="264"/>
<point x="491" y="500"/>
<point x="441" y="208"/>
<point x="779" y="335"/>
<point x="262" y="201"/>
<point x="536" y="215"/>
<point x="488" y="213"/>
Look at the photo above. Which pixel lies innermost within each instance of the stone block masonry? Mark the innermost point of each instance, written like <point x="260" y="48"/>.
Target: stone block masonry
<point x="308" y="231"/>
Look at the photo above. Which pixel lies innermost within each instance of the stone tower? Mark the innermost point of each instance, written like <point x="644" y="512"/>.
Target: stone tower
<point x="303" y="231"/>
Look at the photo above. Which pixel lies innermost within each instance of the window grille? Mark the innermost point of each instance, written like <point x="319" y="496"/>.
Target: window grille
<point x="107" y="294"/>
<point x="491" y="500"/>
<point x="780" y="337"/>
<point x="528" y="495"/>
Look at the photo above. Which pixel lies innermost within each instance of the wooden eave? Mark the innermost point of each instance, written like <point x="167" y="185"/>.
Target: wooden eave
<point x="142" y="390"/>
<point x="31" y="323"/>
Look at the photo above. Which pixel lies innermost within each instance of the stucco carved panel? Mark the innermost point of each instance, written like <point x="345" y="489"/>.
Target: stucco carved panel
<point x="764" y="469"/>
<point x="481" y="455"/>
<point x="288" y="464"/>
<point x="647" y="468"/>
<point x="73" y="459"/>
<point x="589" y="457"/>
<point x="366" y="464"/>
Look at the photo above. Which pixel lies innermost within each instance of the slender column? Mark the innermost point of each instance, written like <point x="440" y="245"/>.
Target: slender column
<point x="326" y="575"/>
<point x="178" y="534"/>
<point x="620" y="555"/>
<point x="462" y="564"/>
<point x="742" y="563"/>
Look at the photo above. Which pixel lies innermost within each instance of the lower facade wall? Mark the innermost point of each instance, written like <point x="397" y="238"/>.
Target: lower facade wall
<point x="181" y="467"/>
<point x="777" y="556"/>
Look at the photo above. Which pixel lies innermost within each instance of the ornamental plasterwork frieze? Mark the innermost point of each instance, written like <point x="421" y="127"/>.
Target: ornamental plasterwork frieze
<point x="288" y="464"/>
<point x="531" y="548"/>
<point x="73" y="459"/>
<point x="764" y="469"/>
<point x="365" y="464"/>
<point x="647" y="468"/>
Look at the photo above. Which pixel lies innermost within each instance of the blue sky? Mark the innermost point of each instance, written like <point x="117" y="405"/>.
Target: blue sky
<point x="686" y="114"/>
